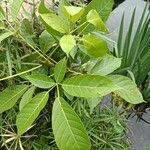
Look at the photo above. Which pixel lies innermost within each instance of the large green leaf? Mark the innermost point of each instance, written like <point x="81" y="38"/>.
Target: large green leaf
<point x="94" y="18"/>
<point x="55" y="22"/>
<point x="41" y="81"/>
<point x="67" y="43"/>
<point x="46" y="41"/>
<point x="5" y="35"/>
<point x="88" y="86"/>
<point x="68" y="129"/>
<point x="26" y="97"/>
<point x="127" y="89"/>
<point x="60" y="70"/>
<point x="44" y="10"/>
<point x="95" y="47"/>
<point x="103" y="65"/>
<point x="15" y="7"/>
<point x="103" y="7"/>
<point x="73" y="12"/>
<point x="10" y="96"/>
<point x="30" y="112"/>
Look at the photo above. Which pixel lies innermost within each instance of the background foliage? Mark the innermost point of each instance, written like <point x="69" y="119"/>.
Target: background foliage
<point x="53" y="77"/>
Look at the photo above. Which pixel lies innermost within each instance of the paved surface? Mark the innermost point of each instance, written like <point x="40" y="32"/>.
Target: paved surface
<point x="140" y="132"/>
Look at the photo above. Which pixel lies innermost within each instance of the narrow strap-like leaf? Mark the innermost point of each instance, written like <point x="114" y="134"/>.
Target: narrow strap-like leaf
<point x="120" y="38"/>
<point x="127" y="42"/>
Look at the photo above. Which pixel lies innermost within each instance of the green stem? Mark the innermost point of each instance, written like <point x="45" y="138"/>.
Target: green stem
<point x="9" y="61"/>
<point x="84" y="28"/>
<point x="23" y="63"/>
<point x="18" y="74"/>
<point x="54" y="50"/>
<point x="50" y="60"/>
<point x="78" y="27"/>
<point x="58" y="93"/>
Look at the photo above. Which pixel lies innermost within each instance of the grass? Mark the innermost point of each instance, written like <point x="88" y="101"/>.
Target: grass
<point x="106" y="128"/>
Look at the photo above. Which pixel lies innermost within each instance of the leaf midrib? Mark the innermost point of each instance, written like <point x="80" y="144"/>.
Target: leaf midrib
<point x="48" y="82"/>
<point x="35" y="109"/>
<point x="68" y="123"/>
<point x="60" y="71"/>
<point x="13" y="97"/>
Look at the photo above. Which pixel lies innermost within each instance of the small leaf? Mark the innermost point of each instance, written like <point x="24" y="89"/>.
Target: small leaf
<point x="2" y="25"/>
<point x="73" y="12"/>
<point x="2" y="14"/>
<point x="103" y="7"/>
<point x="5" y="35"/>
<point x="95" y="47"/>
<point x="103" y="65"/>
<point x="26" y="97"/>
<point x="10" y="96"/>
<point x="60" y="70"/>
<point x="26" y="30"/>
<point x="94" y="18"/>
<point x="88" y="86"/>
<point x="41" y="81"/>
<point x="26" y="27"/>
<point x="93" y="102"/>
<point x="15" y="7"/>
<point x="67" y="43"/>
<point x="30" y="112"/>
<point x="43" y="9"/>
<point x="61" y="5"/>
<point x="68" y="129"/>
<point x="127" y="89"/>
<point x="68" y="96"/>
<point x="55" y="22"/>
<point x="46" y="41"/>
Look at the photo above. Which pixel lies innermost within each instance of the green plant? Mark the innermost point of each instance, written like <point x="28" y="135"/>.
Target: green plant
<point x="134" y="50"/>
<point x="70" y="62"/>
<point x="106" y="130"/>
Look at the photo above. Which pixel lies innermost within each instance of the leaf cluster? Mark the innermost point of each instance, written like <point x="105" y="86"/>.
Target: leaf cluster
<point x="66" y="61"/>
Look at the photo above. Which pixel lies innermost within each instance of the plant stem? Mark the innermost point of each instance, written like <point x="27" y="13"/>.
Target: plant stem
<point x="78" y="27"/>
<point x="18" y="74"/>
<point x="51" y="61"/>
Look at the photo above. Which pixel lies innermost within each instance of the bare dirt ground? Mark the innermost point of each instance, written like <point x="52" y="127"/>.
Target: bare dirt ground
<point x="29" y="5"/>
<point x="27" y="8"/>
